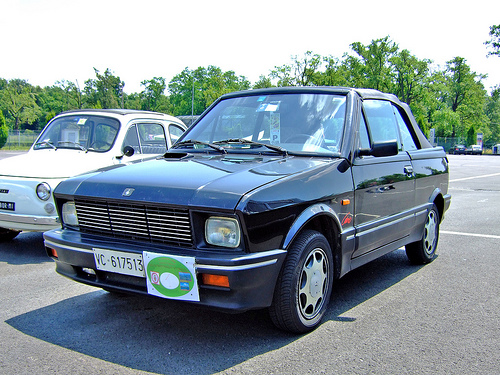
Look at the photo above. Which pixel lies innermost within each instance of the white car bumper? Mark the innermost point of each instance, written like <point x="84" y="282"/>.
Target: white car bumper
<point x="22" y="210"/>
<point x="29" y="223"/>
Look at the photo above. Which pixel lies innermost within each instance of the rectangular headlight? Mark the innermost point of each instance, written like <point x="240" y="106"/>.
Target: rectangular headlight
<point x="69" y="216"/>
<point x="222" y="231"/>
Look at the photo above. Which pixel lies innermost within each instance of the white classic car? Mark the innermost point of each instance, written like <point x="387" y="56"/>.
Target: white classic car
<point x="73" y="143"/>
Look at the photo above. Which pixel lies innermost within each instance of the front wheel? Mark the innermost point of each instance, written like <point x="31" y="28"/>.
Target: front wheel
<point x="424" y="250"/>
<point x="7" y="234"/>
<point x="304" y="285"/>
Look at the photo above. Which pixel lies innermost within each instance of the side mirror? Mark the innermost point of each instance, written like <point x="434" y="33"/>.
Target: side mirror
<point x="379" y="149"/>
<point x="127" y="151"/>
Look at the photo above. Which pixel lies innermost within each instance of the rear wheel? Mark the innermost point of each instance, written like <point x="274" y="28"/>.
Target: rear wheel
<point x="304" y="285"/>
<point x="424" y="250"/>
<point x="7" y="234"/>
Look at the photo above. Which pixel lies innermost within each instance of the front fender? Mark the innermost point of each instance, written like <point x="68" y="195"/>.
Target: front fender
<point x="307" y="215"/>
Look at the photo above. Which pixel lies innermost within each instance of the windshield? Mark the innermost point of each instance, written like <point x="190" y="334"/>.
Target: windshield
<point x="80" y="132"/>
<point x="292" y="122"/>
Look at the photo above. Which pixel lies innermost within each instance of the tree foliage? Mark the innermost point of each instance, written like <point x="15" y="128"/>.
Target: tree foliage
<point x="106" y="91"/>
<point x="494" y="42"/>
<point x="4" y="130"/>
<point x="192" y="91"/>
<point x="153" y="98"/>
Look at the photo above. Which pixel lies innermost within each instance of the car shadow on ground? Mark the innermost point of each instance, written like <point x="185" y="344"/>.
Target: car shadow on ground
<point x="162" y="336"/>
<point x="26" y="248"/>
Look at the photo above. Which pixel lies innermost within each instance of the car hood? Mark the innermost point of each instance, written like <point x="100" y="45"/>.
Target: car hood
<point x="203" y="181"/>
<point x="60" y="163"/>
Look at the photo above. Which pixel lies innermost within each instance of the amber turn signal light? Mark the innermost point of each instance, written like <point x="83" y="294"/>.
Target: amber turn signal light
<point x="215" y="280"/>
<point x="53" y="252"/>
<point x="345" y="202"/>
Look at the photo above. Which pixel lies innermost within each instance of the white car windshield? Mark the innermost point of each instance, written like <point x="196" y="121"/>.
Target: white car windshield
<point x="294" y="122"/>
<point x="80" y="132"/>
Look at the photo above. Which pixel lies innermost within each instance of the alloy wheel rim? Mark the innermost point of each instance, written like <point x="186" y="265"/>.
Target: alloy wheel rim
<point x="430" y="232"/>
<point x="313" y="284"/>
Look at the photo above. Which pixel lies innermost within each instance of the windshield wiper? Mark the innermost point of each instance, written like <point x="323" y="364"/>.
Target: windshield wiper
<point x="42" y="143"/>
<point x="75" y="144"/>
<point x="195" y="142"/>
<point x="278" y="149"/>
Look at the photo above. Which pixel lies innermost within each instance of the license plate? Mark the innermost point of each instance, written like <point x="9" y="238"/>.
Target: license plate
<point x="9" y="206"/>
<point x="119" y="262"/>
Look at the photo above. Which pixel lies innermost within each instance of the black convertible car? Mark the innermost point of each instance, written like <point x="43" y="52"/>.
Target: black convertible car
<point x="264" y="202"/>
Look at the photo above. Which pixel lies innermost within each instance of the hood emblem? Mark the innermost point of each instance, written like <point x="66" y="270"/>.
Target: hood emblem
<point x="4" y="191"/>
<point x="128" y="192"/>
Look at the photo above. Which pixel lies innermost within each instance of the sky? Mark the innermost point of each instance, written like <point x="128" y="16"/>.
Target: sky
<point x="45" y="41"/>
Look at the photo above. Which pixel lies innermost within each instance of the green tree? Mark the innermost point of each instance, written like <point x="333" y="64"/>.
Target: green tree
<point x="106" y="91"/>
<point x="494" y="42"/>
<point x="4" y="131"/>
<point x="410" y="76"/>
<point x="465" y="94"/>
<point x="492" y="111"/>
<point x="193" y="91"/>
<point x="471" y="136"/>
<point x="372" y="67"/>
<point x="72" y="97"/>
<point x="302" y="72"/>
<point x="153" y="96"/>
<point x="336" y="72"/>
<point x="263" y="82"/>
<point x="445" y="121"/>
<point x="217" y="83"/>
<point x="19" y="101"/>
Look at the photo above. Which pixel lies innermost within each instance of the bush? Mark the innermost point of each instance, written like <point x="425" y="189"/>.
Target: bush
<point x="4" y="131"/>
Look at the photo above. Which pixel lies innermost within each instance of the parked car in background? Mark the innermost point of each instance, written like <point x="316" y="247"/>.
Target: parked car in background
<point x="72" y="143"/>
<point x="277" y="193"/>
<point x="474" y="150"/>
<point x="458" y="150"/>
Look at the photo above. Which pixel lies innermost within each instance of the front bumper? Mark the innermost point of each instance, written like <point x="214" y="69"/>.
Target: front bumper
<point x="252" y="277"/>
<point x="29" y="223"/>
<point x="31" y="213"/>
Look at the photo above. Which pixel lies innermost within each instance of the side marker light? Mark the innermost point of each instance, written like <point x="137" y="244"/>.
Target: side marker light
<point x="215" y="280"/>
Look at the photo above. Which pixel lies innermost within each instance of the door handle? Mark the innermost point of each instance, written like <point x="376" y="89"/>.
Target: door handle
<point x="408" y="170"/>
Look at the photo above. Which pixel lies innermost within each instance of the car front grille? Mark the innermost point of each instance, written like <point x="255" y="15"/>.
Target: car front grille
<point x="141" y="222"/>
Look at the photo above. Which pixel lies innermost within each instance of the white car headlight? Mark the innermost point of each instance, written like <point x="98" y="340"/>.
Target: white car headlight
<point x="69" y="216"/>
<point x="222" y="231"/>
<point x="43" y="191"/>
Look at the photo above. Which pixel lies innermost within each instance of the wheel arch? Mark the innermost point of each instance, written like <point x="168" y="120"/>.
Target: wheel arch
<point x="438" y="199"/>
<point x="323" y="219"/>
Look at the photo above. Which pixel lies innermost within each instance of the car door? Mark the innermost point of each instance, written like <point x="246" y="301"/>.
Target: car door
<point x="384" y="185"/>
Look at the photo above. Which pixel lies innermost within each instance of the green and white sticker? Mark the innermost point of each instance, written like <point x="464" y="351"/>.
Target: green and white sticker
<point x="169" y="276"/>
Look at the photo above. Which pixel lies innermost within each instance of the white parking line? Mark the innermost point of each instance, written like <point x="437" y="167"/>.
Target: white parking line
<point x="470" y="234"/>
<point x="472" y="178"/>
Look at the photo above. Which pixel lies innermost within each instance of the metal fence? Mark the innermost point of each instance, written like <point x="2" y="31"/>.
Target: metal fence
<point x="20" y="139"/>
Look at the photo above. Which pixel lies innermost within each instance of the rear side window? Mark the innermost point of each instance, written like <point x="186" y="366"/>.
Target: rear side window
<point x="406" y="137"/>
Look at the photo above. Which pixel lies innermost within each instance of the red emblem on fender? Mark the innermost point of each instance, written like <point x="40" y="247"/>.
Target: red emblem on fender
<point x="347" y="219"/>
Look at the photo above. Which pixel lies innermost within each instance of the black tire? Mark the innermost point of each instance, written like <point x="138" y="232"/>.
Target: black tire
<point x="299" y="305"/>
<point x="7" y="234"/>
<point x="424" y="250"/>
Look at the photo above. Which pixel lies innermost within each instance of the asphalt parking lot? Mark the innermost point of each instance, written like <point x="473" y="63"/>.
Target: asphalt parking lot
<point x="387" y="317"/>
